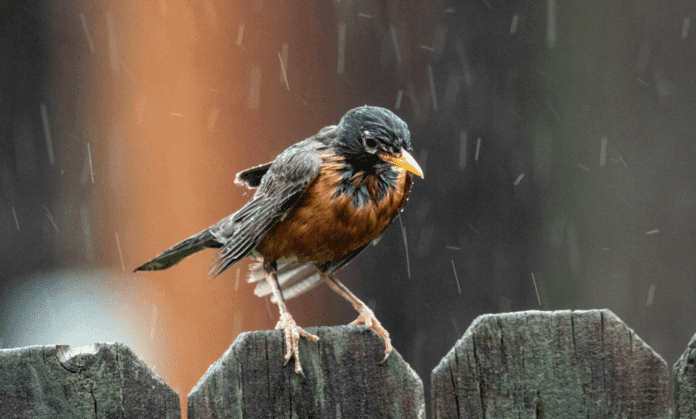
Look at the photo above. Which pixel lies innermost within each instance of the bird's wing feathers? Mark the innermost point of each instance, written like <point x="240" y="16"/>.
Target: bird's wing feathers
<point x="279" y="189"/>
<point x="251" y="178"/>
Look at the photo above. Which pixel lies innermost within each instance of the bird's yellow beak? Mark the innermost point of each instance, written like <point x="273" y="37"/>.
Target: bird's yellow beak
<point x="404" y="160"/>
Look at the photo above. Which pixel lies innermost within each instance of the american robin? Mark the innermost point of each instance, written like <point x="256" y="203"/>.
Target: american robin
<point x="317" y="205"/>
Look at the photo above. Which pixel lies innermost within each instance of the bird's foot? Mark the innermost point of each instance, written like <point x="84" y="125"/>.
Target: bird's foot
<point x="292" y="338"/>
<point x="367" y="317"/>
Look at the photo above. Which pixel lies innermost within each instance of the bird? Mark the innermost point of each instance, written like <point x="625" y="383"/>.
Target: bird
<point x="319" y="204"/>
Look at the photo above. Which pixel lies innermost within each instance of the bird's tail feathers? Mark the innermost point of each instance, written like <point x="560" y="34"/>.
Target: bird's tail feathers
<point x="176" y="253"/>
<point x="294" y="279"/>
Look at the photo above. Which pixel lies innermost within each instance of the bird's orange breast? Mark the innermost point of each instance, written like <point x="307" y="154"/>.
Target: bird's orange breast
<point x="322" y="228"/>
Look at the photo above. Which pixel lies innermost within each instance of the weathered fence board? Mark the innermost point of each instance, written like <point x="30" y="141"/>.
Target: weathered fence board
<point x="100" y="381"/>
<point x="568" y="364"/>
<point x="684" y="371"/>
<point x="562" y="364"/>
<point x="343" y="377"/>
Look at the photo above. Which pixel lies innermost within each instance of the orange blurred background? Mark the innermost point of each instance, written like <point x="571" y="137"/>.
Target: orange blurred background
<point x="182" y="96"/>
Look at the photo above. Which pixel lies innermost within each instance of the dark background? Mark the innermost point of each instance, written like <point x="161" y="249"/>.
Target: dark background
<point x="557" y="141"/>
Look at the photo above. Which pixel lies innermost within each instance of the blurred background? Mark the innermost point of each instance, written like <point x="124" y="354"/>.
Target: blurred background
<point x="558" y="141"/>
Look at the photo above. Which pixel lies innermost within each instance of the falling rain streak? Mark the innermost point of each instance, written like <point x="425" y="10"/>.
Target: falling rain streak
<point x="112" y="42"/>
<point x="518" y="180"/>
<point x="536" y="289"/>
<point x="240" y="34"/>
<point x="603" y="153"/>
<point x="456" y="277"/>
<point x="50" y="217"/>
<point x="285" y="64"/>
<point x="403" y="232"/>
<point x="478" y="148"/>
<point x="341" y="62"/>
<point x="513" y="25"/>
<point x="623" y="162"/>
<point x="47" y="134"/>
<point x="651" y="295"/>
<point x="463" y="138"/>
<point x="553" y="110"/>
<point x="91" y="170"/>
<point x="685" y="27"/>
<point x="399" y="95"/>
<point x="285" y="75"/>
<point x="86" y="28"/>
<point x="432" y="87"/>
<point x="395" y="42"/>
<point x="15" y="217"/>
<point x="120" y="254"/>
<point x="254" y="87"/>
<point x="268" y="308"/>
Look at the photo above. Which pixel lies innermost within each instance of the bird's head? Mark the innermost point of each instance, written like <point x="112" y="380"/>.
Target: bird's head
<point x="374" y="137"/>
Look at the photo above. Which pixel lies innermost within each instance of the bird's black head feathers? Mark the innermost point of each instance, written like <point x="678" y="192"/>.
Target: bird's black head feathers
<point x="375" y="127"/>
<point x="362" y="135"/>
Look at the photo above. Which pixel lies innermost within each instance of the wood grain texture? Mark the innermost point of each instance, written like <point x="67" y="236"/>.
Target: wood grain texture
<point x="343" y="379"/>
<point x="684" y="372"/>
<point x="561" y="364"/>
<point x="105" y="380"/>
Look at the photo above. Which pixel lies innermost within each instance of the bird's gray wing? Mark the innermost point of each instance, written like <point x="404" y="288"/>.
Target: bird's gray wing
<point x="279" y="189"/>
<point x="251" y="178"/>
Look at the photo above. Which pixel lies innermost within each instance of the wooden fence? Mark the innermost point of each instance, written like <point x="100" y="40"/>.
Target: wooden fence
<point x="561" y="364"/>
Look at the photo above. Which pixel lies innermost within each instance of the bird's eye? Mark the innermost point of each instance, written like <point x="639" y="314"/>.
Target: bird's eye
<point x="369" y="143"/>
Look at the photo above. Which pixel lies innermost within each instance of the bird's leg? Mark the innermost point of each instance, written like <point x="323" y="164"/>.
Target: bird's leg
<point x="287" y="323"/>
<point x="365" y="315"/>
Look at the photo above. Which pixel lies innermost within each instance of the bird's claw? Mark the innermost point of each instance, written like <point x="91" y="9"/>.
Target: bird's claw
<point x="367" y="317"/>
<point x="292" y="339"/>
